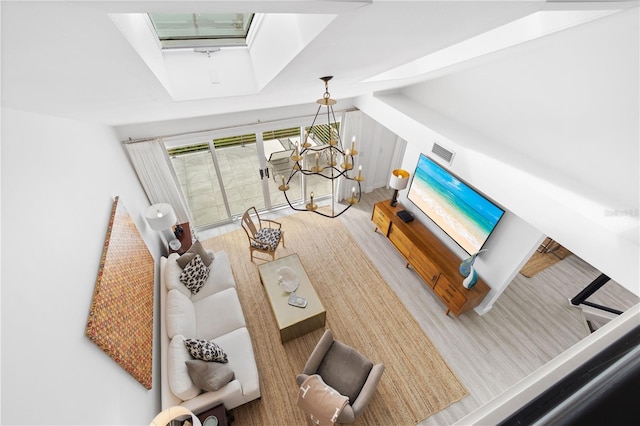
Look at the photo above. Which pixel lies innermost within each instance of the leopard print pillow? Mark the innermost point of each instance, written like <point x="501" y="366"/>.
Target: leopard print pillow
<point x="195" y="274"/>
<point x="206" y="350"/>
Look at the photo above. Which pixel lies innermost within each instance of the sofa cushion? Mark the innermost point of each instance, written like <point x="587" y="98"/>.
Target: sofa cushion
<point x="345" y="369"/>
<point x="237" y="344"/>
<point x="209" y="376"/>
<point x="180" y="316"/>
<point x="218" y="314"/>
<point x="196" y="248"/>
<point x="220" y="277"/>
<point x="180" y="382"/>
<point x="171" y="275"/>
<point x="195" y="274"/>
<point x="206" y="350"/>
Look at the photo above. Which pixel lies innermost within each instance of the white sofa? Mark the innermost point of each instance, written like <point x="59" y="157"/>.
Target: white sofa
<point x="214" y="313"/>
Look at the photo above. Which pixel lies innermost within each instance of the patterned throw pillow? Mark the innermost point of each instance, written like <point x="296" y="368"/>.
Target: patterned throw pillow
<point x="268" y="238"/>
<point x="206" y="350"/>
<point x="195" y="274"/>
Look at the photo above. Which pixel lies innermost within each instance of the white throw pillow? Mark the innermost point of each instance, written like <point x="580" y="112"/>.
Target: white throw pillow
<point x="171" y="275"/>
<point x="180" y="315"/>
<point x="180" y="381"/>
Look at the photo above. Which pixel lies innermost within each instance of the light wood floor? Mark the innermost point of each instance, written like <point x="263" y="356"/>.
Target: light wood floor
<point x="531" y="323"/>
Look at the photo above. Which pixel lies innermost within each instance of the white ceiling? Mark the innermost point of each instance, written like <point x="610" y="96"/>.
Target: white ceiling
<point x="70" y="59"/>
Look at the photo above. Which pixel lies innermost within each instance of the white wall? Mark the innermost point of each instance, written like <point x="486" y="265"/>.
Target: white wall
<point x="59" y="178"/>
<point x="564" y="105"/>
<point x="505" y="255"/>
<point x="223" y="121"/>
<point x="559" y="117"/>
<point x="513" y="241"/>
<point x="549" y="130"/>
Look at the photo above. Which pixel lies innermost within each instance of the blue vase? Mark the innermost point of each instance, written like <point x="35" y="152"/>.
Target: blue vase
<point x="467" y="264"/>
<point x="471" y="279"/>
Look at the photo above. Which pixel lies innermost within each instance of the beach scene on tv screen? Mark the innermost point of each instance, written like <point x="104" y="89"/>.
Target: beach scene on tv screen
<point x="468" y="217"/>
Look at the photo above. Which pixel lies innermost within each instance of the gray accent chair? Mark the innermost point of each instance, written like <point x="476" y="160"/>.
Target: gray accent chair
<point x="345" y="370"/>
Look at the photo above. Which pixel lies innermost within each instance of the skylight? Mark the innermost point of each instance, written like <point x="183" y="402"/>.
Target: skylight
<point x="193" y="30"/>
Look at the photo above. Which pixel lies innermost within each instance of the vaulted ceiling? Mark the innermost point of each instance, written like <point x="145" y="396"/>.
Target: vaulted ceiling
<point x="82" y="60"/>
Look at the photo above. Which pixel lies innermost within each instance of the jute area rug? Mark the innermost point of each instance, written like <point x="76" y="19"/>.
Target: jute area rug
<point x="362" y="311"/>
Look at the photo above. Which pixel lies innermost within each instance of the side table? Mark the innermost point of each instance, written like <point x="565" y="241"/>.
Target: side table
<point x="185" y="239"/>
<point x="224" y="418"/>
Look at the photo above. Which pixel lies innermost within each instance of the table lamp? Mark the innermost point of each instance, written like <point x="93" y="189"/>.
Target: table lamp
<point x="161" y="217"/>
<point x="173" y="413"/>
<point x="399" y="180"/>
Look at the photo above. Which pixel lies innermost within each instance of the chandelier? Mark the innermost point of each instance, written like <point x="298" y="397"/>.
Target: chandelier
<point x="326" y="159"/>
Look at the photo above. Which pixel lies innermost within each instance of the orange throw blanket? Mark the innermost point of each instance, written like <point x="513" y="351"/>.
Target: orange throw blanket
<point x="323" y="403"/>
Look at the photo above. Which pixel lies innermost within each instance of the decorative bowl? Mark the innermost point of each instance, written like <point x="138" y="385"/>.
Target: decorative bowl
<point x="288" y="279"/>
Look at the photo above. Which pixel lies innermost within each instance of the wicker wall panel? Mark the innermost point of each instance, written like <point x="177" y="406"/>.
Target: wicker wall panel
<point x="121" y="314"/>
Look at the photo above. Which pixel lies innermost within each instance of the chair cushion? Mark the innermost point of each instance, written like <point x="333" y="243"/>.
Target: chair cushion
<point x="345" y="369"/>
<point x="268" y="239"/>
<point x="209" y="376"/>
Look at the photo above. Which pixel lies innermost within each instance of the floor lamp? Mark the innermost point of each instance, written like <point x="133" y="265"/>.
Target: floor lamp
<point x="161" y="218"/>
<point x="398" y="181"/>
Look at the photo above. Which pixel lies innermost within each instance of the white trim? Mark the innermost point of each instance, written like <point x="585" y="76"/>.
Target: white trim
<point x="505" y="404"/>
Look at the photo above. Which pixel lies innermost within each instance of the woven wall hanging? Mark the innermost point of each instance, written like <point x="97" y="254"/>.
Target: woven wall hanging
<point x="121" y="314"/>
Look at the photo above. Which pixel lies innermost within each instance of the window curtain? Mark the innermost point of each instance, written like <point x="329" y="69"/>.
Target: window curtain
<point x="351" y="126"/>
<point x="398" y="155"/>
<point x="153" y="166"/>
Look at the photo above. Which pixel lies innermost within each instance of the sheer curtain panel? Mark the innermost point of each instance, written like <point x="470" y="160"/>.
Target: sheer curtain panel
<point x="153" y="166"/>
<point x="351" y="125"/>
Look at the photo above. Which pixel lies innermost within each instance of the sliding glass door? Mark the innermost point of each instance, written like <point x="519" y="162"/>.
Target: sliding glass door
<point x="220" y="178"/>
<point x="224" y="173"/>
<point x="240" y="166"/>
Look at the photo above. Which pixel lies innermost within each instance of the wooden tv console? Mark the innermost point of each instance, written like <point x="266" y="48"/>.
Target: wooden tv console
<point x="430" y="258"/>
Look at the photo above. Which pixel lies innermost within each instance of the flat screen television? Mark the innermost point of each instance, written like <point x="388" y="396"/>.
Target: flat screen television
<point x="463" y="213"/>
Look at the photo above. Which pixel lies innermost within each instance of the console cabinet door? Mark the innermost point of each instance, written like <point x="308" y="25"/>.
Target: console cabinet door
<point x="429" y="258"/>
<point x="450" y="295"/>
<point x="381" y="221"/>
<point x="401" y="241"/>
<point x="424" y="267"/>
